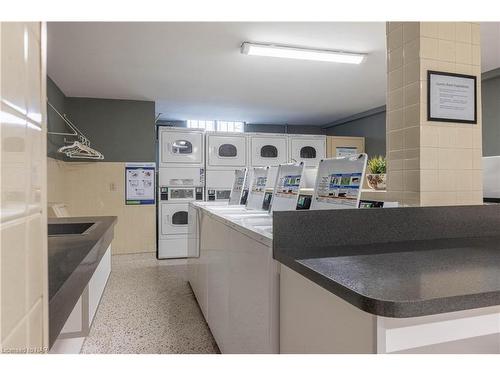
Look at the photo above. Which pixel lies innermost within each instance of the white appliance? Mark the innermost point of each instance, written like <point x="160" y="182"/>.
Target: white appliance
<point x="237" y="190"/>
<point x="287" y="186"/>
<point x="268" y="149"/>
<point x="257" y="188"/>
<point x="338" y="183"/>
<point x="491" y="178"/>
<point x="181" y="179"/>
<point x="309" y="149"/>
<point x="225" y="153"/>
<point x="180" y="147"/>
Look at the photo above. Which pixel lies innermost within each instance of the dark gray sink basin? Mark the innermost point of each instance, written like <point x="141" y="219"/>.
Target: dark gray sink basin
<point x="65" y="229"/>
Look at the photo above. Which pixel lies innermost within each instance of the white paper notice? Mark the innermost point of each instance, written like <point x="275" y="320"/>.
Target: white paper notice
<point x="452" y="98"/>
<point x="140" y="183"/>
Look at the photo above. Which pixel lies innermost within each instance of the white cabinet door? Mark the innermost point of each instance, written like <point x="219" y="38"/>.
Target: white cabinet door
<point x="174" y="218"/>
<point x="309" y="150"/>
<point x="181" y="147"/>
<point x="268" y="150"/>
<point x="226" y="150"/>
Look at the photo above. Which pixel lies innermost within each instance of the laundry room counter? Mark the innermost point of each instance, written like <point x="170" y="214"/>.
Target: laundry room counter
<point x="73" y="259"/>
<point x="416" y="279"/>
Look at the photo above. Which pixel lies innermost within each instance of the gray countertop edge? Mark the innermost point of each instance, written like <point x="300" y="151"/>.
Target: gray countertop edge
<point x="393" y="309"/>
<point x="64" y="300"/>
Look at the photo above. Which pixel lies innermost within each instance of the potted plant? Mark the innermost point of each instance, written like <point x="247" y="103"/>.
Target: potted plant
<point x="376" y="176"/>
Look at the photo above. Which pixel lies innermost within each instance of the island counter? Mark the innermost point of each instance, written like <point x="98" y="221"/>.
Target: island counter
<point x="418" y="280"/>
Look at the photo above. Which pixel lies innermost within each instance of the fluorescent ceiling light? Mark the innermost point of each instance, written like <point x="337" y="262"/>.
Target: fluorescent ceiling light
<point x="289" y="52"/>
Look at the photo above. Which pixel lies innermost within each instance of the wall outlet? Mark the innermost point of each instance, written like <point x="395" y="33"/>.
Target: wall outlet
<point x="112" y="186"/>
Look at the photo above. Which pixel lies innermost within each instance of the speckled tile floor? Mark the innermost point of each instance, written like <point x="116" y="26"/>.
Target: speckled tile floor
<point x="148" y="307"/>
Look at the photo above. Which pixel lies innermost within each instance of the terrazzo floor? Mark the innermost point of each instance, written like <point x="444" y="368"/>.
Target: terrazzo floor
<point x="148" y="307"/>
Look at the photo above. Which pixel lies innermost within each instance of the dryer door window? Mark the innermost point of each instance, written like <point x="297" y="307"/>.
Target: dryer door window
<point x="228" y="151"/>
<point x="269" y="151"/>
<point x="174" y="218"/>
<point x="182" y="146"/>
<point x="308" y="152"/>
<point x="180" y="218"/>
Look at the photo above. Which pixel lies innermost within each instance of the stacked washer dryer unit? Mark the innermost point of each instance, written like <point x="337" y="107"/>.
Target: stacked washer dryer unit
<point x="226" y="152"/>
<point x="181" y="179"/>
<point x="267" y="150"/>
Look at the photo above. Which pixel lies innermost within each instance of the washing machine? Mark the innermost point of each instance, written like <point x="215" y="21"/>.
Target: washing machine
<point x="173" y="222"/>
<point x="226" y="152"/>
<point x="180" y="147"/>
<point x="491" y="179"/>
<point x="267" y="149"/>
<point x="309" y="149"/>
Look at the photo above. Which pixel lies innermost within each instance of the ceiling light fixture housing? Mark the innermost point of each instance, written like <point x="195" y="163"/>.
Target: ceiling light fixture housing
<point x="299" y="53"/>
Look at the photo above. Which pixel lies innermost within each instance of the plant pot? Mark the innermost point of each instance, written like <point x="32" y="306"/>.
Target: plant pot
<point x="377" y="181"/>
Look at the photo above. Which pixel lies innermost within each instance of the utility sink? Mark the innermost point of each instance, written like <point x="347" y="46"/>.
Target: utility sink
<point x="64" y="229"/>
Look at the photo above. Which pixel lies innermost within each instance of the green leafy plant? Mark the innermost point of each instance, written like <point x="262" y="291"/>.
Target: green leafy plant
<point x="377" y="165"/>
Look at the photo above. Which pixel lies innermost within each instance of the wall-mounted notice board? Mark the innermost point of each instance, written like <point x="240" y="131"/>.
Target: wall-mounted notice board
<point x="451" y="97"/>
<point x="140" y="183"/>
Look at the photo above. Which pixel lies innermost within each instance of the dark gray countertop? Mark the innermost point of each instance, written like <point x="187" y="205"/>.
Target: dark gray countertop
<point x="428" y="274"/>
<point x="72" y="262"/>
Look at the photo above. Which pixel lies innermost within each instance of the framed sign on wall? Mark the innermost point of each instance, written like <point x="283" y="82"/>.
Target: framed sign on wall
<point x="139" y="183"/>
<point x="451" y="97"/>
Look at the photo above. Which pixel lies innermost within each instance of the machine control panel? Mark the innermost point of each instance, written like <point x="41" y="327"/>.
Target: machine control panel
<point x="268" y="196"/>
<point x="199" y="194"/>
<point x="164" y="193"/>
<point x="304" y="202"/>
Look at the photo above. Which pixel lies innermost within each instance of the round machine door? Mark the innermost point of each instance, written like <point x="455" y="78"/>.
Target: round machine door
<point x="181" y="147"/>
<point x="268" y="150"/>
<point x="310" y="151"/>
<point x="226" y="151"/>
<point x="174" y="218"/>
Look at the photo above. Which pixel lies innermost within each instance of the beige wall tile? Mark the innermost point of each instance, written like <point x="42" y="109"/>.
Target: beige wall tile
<point x="412" y="94"/>
<point x="429" y="48"/>
<point x="395" y="38"/>
<point x="476" y="34"/>
<point x="447" y="50"/>
<point x="411" y="115"/>
<point x="464" y="32"/>
<point x="463" y="53"/>
<point x="464" y="137"/>
<point x="395" y="59"/>
<point x="396" y="140"/>
<point x="411" y="180"/>
<point x="411" y="72"/>
<point x="429" y="29"/>
<point x="395" y="120"/>
<point x="412" y="137"/>
<point x="395" y="79"/>
<point x="463" y="159"/>
<point x="447" y="136"/>
<point x="447" y="180"/>
<point x="447" y="30"/>
<point x="429" y="136"/>
<point x="411" y="50"/>
<point x="395" y="99"/>
<point x="411" y="31"/>
<point x="429" y="158"/>
<point x="429" y="180"/>
<point x="395" y="180"/>
<point x="476" y="55"/>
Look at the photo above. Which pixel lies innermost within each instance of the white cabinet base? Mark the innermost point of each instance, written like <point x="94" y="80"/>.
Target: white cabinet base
<point x="77" y="327"/>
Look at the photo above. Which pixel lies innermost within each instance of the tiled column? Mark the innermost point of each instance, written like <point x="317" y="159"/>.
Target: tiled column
<point x="431" y="163"/>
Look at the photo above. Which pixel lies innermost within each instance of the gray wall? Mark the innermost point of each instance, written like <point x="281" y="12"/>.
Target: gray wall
<point x="491" y="116"/>
<point x="371" y="127"/>
<point x="122" y="130"/>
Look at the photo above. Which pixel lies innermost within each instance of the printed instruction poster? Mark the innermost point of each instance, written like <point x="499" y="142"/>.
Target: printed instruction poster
<point x="140" y="183"/>
<point x="339" y="188"/>
<point x="288" y="186"/>
<point x="345" y="151"/>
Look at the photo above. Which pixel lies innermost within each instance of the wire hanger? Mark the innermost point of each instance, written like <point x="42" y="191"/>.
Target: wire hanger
<point x="79" y="149"/>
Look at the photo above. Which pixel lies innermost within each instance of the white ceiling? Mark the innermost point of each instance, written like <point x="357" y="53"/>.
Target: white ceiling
<point x="195" y="70"/>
